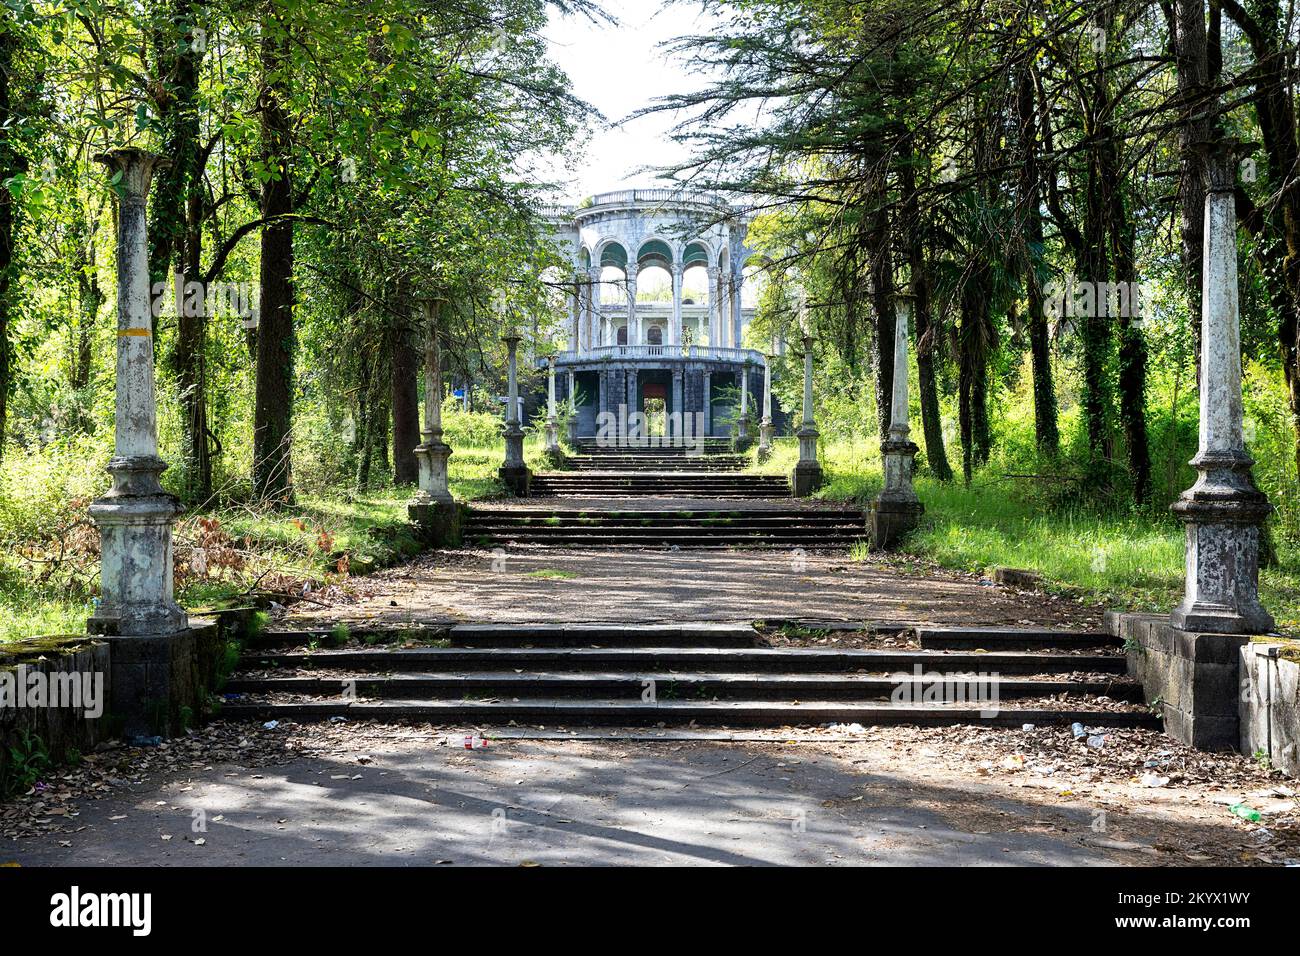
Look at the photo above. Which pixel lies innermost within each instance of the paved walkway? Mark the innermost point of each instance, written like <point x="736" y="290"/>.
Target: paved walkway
<point x="401" y="799"/>
<point x="552" y="584"/>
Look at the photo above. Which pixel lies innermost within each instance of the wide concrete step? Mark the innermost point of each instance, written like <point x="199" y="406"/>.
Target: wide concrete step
<point x="500" y="519"/>
<point x="644" y="659"/>
<point x="569" y="712"/>
<point x="706" y="634"/>
<point x="822" y="541"/>
<point x="1011" y="638"/>
<point x="637" y="514"/>
<point x="683" y="686"/>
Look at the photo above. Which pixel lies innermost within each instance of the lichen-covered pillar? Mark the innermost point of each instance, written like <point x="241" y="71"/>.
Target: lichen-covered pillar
<point x="135" y="516"/>
<point x="896" y="510"/>
<point x="1223" y="510"/>
<point x="737" y="311"/>
<point x="740" y="441"/>
<point x="675" y="330"/>
<point x="573" y="409"/>
<point x="808" y="470"/>
<point x="595" y="318"/>
<point x="708" y="404"/>
<point x="633" y="330"/>
<point x="765" y="428"/>
<point x="433" y="510"/>
<point x="575" y="336"/>
<point x="715" y="308"/>
<point x="514" y="473"/>
<point x="552" y="412"/>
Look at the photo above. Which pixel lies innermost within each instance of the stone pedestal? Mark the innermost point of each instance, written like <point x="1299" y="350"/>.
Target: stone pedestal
<point x="1223" y="510"/>
<point x="1194" y="675"/>
<point x="514" y="473"/>
<point x="437" y="523"/>
<point x="807" y="475"/>
<point x="896" y="511"/>
<point x="135" y="516"/>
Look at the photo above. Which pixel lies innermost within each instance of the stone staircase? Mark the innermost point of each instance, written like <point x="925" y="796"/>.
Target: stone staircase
<point x="680" y="675"/>
<point x="764" y="528"/>
<point x="600" y="472"/>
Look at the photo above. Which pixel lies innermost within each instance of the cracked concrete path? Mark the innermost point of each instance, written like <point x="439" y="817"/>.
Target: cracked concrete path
<point x="408" y="800"/>
<point x="562" y="585"/>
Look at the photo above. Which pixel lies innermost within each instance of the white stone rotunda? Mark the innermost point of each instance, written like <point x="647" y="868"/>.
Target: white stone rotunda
<point x="685" y="353"/>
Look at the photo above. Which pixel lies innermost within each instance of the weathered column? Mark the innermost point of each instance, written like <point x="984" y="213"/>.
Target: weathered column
<point x="433" y="510"/>
<point x="135" y="516"/>
<point x="737" y="311"/>
<point x="595" y="317"/>
<point x="715" y="308"/>
<point x="575" y="343"/>
<point x="896" y="510"/>
<point x="552" y="413"/>
<point x="708" y="404"/>
<point x="1223" y="510"/>
<point x="633" y="331"/>
<point x="675" y="328"/>
<point x="740" y="440"/>
<point x="808" y="470"/>
<point x="765" y="428"/>
<point x="573" y="410"/>
<point x="514" y="473"/>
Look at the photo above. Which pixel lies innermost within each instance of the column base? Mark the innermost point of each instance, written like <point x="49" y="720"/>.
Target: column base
<point x="157" y="682"/>
<point x="437" y="521"/>
<point x="892" y="520"/>
<point x="1223" y="513"/>
<point x="806" y="478"/>
<point x="136" y="566"/>
<point x="517" y="479"/>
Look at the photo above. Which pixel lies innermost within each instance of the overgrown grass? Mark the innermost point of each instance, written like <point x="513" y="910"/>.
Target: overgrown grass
<point x="1130" y="559"/>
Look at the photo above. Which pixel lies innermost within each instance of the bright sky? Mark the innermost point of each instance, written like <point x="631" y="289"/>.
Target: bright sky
<point x="618" y="70"/>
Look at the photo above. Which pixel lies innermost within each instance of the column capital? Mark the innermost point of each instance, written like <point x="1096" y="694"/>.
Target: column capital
<point x="136" y="167"/>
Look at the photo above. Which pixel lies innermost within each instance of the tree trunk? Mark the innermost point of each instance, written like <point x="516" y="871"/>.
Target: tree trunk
<point x="1047" y="435"/>
<point x="929" y="334"/>
<point x="404" y="390"/>
<point x="273" y="409"/>
<point x="9" y="166"/>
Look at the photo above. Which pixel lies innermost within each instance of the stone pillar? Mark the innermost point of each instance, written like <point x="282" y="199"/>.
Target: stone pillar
<point x="896" y="510"/>
<point x="433" y="510"/>
<point x="678" y="400"/>
<point x="135" y="516"/>
<point x="575" y="335"/>
<point x="715" y="313"/>
<point x="1223" y="510"/>
<point x="552" y="414"/>
<point x="808" y="470"/>
<point x="675" y="325"/>
<point x="514" y="473"/>
<point x="737" y="312"/>
<point x="765" y="428"/>
<point x="633" y="330"/>
<point x="708" y="404"/>
<point x="740" y="440"/>
<point x="573" y="409"/>
<point x="595" y="330"/>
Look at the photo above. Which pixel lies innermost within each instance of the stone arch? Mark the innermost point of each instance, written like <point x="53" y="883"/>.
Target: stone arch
<point x="611" y="254"/>
<point x="655" y="252"/>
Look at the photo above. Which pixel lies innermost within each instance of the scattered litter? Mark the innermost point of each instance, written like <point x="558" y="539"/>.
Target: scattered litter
<point x="271" y="724"/>
<point x="1097" y="741"/>
<point x="146" y="741"/>
<point x="846" y="728"/>
<point x="1245" y="812"/>
<point x="1151" y="780"/>
<point x="1080" y="733"/>
<point x="1027" y="727"/>
<point x="466" y="741"/>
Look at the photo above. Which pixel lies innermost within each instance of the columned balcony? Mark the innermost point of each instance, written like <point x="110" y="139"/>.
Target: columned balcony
<point x="660" y="353"/>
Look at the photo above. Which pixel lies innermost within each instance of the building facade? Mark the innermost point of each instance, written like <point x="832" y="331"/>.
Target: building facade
<point x="683" y="357"/>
